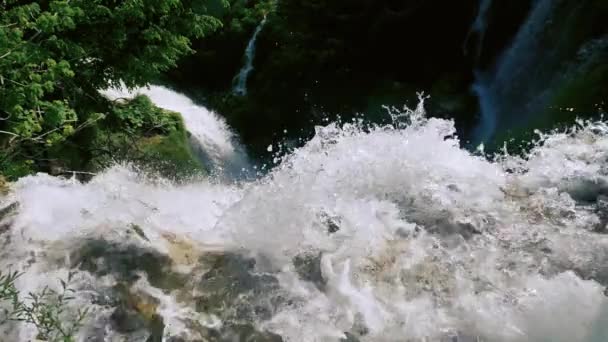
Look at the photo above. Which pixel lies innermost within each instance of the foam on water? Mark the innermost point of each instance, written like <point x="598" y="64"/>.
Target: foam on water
<point x="413" y="238"/>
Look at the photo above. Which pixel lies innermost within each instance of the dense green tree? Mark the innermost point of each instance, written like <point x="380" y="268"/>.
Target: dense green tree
<point x="56" y="54"/>
<point x="219" y="55"/>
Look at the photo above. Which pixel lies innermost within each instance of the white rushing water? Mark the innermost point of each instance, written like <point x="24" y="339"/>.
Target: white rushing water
<point x="213" y="140"/>
<point x="406" y="236"/>
<point x="240" y="81"/>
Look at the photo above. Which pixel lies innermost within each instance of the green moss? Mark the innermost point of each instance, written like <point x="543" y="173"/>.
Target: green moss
<point x="147" y="136"/>
<point x="4" y="188"/>
<point x="170" y="155"/>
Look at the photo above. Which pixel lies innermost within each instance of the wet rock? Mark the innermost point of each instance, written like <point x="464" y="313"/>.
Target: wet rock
<point x="602" y="213"/>
<point x="182" y="251"/>
<point x="460" y="337"/>
<point x="136" y="313"/>
<point x="102" y="257"/>
<point x="176" y="339"/>
<point x="453" y="187"/>
<point x="308" y="268"/>
<point x="140" y="232"/>
<point x="156" y="327"/>
<point x="125" y="320"/>
<point x="428" y="277"/>
<point x="332" y="226"/>
<point x="233" y="290"/>
<point x="240" y="296"/>
<point x="4" y="186"/>
<point x="8" y="210"/>
<point x="5" y="213"/>
<point x="586" y="191"/>
<point x="331" y="222"/>
<point x="4" y="227"/>
<point x="447" y="227"/>
<point x="247" y="333"/>
<point x="588" y="267"/>
<point x="349" y="338"/>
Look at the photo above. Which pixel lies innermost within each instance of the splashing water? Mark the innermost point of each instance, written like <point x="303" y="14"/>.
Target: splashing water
<point x="215" y="144"/>
<point x="365" y="233"/>
<point x="240" y="85"/>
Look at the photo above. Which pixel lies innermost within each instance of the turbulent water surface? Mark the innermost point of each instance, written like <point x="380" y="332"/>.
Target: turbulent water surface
<point x="389" y="233"/>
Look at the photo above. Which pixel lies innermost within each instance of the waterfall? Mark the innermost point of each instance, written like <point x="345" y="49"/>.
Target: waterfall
<point x="213" y="140"/>
<point x="370" y="233"/>
<point x="553" y="50"/>
<point x="505" y="90"/>
<point x="240" y="84"/>
<point x="479" y="27"/>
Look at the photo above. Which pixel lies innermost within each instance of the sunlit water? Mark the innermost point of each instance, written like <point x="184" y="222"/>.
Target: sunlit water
<point x="240" y="80"/>
<point x="403" y="235"/>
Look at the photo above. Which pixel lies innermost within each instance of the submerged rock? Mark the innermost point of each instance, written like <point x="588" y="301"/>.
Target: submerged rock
<point x="246" y="332"/>
<point x="308" y="268"/>
<point x="5" y="213"/>
<point x="137" y="230"/>
<point x="102" y="257"/>
<point x="233" y="290"/>
<point x="586" y="191"/>
<point x="4" y="185"/>
<point x="602" y="213"/>
<point x="349" y="338"/>
<point x="125" y="320"/>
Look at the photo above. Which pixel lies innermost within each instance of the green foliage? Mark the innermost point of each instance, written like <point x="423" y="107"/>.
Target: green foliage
<point x="219" y="55"/>
<point x="319" y="59"/>
<point x="140" y="114"/>
<point x="56" y="54"/>
<point x="46" y="310"/>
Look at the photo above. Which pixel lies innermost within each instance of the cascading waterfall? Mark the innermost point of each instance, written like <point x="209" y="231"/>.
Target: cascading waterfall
<point x="479" y="27"/>
<point x="546" y="56"/>
<point x="378" y="233"/>
<point x="215" y="144"/>
<point x="240" y="84"/>
<point x="507" y="88"/>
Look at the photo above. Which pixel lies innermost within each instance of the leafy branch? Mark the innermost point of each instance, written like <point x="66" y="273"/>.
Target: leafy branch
<point x="46" y="310"/>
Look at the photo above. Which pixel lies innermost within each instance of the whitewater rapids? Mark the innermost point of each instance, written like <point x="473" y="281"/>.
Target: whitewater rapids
<point x="403" y="235"/>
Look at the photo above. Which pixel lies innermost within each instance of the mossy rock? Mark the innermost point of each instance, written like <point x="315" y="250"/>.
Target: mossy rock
<point x="235" y="291"/>
<point x="4" y="185"/>
<point x="124" y="262"/>
<point x="149" y="137"/>
<point x="170" y="155"/>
